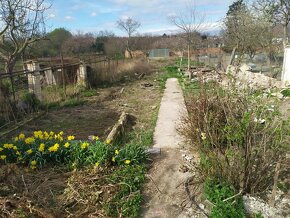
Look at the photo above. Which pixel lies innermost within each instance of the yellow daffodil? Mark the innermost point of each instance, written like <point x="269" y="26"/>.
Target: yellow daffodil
<point x="17" y="153"/>
<point x="1" y="149"/>
<point x="33" y="163"/>
<point x="71" y="137"/>
<point x="38" y="134"/>
<point x="29" y="151"/>
<point x="127" y="161"/>
<point x="29" y="140"/>
<point x="108" y="141"/>
<point x="58" y="137"/>
<point x="53" y="148"/>
<point x="203" y="136"/>
<point x="51" y="133"/>
<point x="60" y="133"/>
<point x="8" y="146"/>
<point x="46" y="135"/>
<point x="33" y="167"/>
<point x="116" y="152"/>
<point x="97" y="164"/>
<point x="113" y="159"/>
<point x="67" y="144"/>
<point x="3" y="157"/>
<point x="21" y="136"/>
<point x="15" y="148"/>
<point x="41" y="147"/>
<point x="84" y="145"/>
<point x="16" y="139"/>
<point x="95" y="138"/>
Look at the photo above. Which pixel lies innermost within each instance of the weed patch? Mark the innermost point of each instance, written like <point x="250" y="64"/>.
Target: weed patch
<point x="220" y="194"/>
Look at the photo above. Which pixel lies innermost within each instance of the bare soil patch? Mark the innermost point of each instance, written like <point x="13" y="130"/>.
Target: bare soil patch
<point x="100" y="112"/>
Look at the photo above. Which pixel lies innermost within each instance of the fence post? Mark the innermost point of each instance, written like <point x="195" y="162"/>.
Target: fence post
<point x="286" y="66"/>
<point x="82" y="75"/>
<point x="34" y="85"/>
<point x="50" y="79"/>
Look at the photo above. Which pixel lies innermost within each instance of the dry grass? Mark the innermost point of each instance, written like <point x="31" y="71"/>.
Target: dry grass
<point x="25" y="193"/>
<point x="115" y="71"/>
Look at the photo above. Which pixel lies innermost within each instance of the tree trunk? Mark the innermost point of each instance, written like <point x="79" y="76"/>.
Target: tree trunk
<point x="285" y="35"/>
<point x="180" y="63"/>
<point x="233" y="56"/>
<point x="188" y="58"/>
<point x="128" y="48"/>
<point x="9" y="66"/>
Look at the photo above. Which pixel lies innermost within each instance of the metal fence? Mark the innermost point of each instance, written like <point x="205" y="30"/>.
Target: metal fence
<point x="159" y="53"/>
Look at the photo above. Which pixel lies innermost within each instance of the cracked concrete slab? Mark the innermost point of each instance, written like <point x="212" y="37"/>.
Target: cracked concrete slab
<point x="165" y="196"/>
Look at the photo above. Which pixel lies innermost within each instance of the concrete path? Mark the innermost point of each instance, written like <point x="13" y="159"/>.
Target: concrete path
<point x="165" y="195"/>
<point x="171" y="110"/>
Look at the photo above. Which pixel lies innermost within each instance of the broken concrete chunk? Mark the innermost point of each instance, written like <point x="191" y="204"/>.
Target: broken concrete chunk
<point x="153" y="151"/>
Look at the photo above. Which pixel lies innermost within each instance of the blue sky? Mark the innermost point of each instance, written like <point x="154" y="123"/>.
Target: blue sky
<point x="96" y="15"/>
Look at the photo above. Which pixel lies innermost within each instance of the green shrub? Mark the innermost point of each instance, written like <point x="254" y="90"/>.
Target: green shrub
<point x="240" y="138"/>
<point x="31" y="101"/>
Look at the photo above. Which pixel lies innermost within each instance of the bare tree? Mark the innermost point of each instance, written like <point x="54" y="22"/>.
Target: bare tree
<point x="79" y="44"/>
<point x="129" y="26"/>
<point x="189" y="22"/>
<point x="21" y="24"/>
<point x="245" y="31"/>
<point x="278" y="12"/>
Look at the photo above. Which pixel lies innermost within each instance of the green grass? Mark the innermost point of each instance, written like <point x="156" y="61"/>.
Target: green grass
<point x="186" y="85"/>
<point x="72" y="102"/>
<point x="127" y="201"/>
<point x="169" y="72"/>
<point x="88" y="93"/>
<point x="192" y="63"/>
<point x="286" y="93"/>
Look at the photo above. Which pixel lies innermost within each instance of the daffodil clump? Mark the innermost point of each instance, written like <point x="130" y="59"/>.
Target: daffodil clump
<point x="43" y="148"/>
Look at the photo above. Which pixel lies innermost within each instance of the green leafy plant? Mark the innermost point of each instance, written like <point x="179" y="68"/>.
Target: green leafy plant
<point x="44" y="148"/>
<point x="31" y="101"/>
<point x="286" y="92"/>
<point x="222" y="195"/>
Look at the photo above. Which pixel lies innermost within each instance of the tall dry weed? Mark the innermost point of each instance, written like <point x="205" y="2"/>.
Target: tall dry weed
<point x="239" y="137"/>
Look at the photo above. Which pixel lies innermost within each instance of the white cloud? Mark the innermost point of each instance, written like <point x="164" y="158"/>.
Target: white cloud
<point x="68" y="17"/>
<point x="51" y="15"/>
<point x="93" y="14"/>
<point x="124" y="17"/>
<point x="210" y="27"/>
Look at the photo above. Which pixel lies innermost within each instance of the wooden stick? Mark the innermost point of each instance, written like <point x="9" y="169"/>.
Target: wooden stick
<point x="272" y="198"/>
